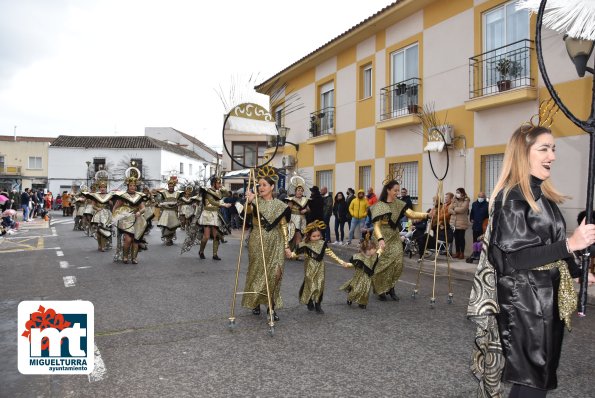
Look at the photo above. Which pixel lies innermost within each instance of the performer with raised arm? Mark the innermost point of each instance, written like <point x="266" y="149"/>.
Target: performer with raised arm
<point x="168" y="201"/>
<point x="210" y="218"/>
<point x="386" y="214"/>
<point x="128" y="214"/>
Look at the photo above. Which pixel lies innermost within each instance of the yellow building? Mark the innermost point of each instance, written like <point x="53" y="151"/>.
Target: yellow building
<point x="23" y="162"/>
<point x="473" y="61"/>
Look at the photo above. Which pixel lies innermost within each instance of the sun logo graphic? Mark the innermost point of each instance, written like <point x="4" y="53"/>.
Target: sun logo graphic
<point x="56" y="337"/>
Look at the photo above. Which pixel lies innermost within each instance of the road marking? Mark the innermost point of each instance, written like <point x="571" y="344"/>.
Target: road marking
<point x="40" y="243"/>
<point x="69" y="281"/>
<point x="59" y="253"/>
<point x="84" y="267"/>
<point x="67" y="221"/>
<point x="99" y="370"/>
<point x="63" y="264"/>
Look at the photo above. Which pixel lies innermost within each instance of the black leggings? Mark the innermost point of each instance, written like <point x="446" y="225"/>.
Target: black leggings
<point x="519" y="391"/>
<point x="339" y="226"/>
<point x="460" y="240"/>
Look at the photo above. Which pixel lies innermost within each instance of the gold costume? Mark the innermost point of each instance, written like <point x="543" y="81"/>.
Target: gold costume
<point x="296" y="205"/>
<point x="358" y="287"/>
<point x="210" y="212"/>
<point x="127" y="222"/>
<point x="187" y="206"/>
<point x="102" y="217"/>
<point x="168" y="220"/>
<point x="274" y="215"/>
<point x="385" y="217"/>
<point x="313" y="286"/>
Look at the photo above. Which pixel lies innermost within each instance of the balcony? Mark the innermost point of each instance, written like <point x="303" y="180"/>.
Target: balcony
<point x="501" y="77"/>
<point x="10" y="170"/>
<point x="399" y="104"/>
<point x="322" y="126"/>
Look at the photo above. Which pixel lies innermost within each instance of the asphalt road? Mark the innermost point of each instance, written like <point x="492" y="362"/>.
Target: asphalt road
<point x="161" y="328"/>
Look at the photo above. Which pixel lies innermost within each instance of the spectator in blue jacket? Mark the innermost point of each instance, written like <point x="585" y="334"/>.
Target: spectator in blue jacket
<point x="479" y="213"/>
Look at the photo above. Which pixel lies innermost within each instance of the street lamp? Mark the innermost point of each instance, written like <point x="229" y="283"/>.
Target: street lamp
<point x="88" y="162"/>
<point x="580" y="52"/>
<point x="282" y="138"/>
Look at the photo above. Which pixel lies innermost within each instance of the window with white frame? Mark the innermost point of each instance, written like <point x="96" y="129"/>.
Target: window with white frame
<point x="279" y="116"/>
<point x="409" y="178"/>
<point x="404" y="66"/>
<point x="327" y="103"/>
<point x="1" y="164"/>
<point x="35" y="162"/>
<point x="181" y="168"/>
<point x="491" y="166"/>
<point x="365" y="177"/>
<point x="366" y="81"/>
<point x="324" y="178"/>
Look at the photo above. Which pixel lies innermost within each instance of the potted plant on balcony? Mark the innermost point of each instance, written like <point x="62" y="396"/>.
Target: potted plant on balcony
<point x="507" y="69"/>
<point x="412" y="106"/>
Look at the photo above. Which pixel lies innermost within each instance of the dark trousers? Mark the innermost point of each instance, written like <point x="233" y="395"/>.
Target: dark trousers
<point x="339" y="227"/>
<point x="327" y="230"/>
<point x="476" y="234"/>
<point x="519" y="391"/>
<point x="459" y="240"/>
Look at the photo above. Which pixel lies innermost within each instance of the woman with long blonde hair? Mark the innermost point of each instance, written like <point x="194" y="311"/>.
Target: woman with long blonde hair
<point x="534" y="262"/>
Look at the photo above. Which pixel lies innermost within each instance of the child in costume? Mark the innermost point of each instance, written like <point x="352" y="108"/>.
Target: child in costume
<point x="358" y="287"/>
<point x="314" y="248"/>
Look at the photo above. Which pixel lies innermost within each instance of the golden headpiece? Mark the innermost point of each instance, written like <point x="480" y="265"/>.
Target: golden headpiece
<point x="102" y="183"/>
<point x="545" y="117"/>
<point x="267" y="171"/>
<point x="189" y="188"/>
<point x="101" y="178"/>
<point x="297" y="181"/>
<point x="314" y="225"/>
<point x="173" y="180"/>
<point x="132" y="176"/>
<point x="397" y="175"/>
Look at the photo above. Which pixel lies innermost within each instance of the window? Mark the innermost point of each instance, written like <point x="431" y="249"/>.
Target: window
<point x="1" y="164"/>
<point x="504" y="30"/>
<point x="98" y="164"/>
<point x="491" y="165"/>
<point x="279" y="116"/>
<point x="365" y="177"/>
<point x="181" y="168"/>
<point x="404" y="70"/>
<point x="324" y="178"/>
<point x="366" y="83"/>
<point x="409" y="177"/>
<point x="327" y="103"/>
<point x="190" y="169"/>
<point x="249" y="154"/>
<point x="138" y="163"/>
<point x="35" y="162"/>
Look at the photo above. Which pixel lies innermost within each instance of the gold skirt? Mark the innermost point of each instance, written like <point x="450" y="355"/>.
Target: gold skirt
<point x="390" y="264"/>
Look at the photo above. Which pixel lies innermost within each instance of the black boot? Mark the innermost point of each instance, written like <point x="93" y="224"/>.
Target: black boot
<point x="393" y="295"/>
<point x="310" y="305"/>
<point x="318" y="308"/>
<point x="349" y="302"/>
<point x="382" y="297"/>
<point x="256" y="310"/>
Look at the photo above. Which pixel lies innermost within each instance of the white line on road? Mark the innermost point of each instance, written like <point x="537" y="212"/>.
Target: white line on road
<point x="99" y="370"/>
<point x="59" y="253"/>
<point x="63" y="264"/>
<point x="84" y="267"/>
<point x="69" y="281"/>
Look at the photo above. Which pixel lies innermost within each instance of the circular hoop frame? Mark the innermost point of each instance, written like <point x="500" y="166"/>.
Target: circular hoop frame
<point x="128" y="170"/>
<point x="447" y="158"/>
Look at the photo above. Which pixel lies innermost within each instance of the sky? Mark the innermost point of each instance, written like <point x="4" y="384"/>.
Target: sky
<point x="114" y="67"/>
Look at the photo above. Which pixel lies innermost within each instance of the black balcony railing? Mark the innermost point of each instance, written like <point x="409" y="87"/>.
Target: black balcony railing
<point x="322" y="122"/>
<point x="501" y="69"/>
<point x="400" y="99"/>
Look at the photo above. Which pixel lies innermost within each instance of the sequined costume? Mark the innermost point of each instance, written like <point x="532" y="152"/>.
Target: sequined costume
<point x="168" y="220"/>
<point x="274" y="216"/>
<point x="187" y="207"/>
<point x="312" y="289"/>
<point x="127" y="222"/>
<point x="193" y="230"/>
<point x="385" y="217"/>
<point x="296" y="205"/>
<point x="102" y="219"/>
<point x="211" y="217"/>
<point x="358" y="287"/>
<point x="78" y="203"/>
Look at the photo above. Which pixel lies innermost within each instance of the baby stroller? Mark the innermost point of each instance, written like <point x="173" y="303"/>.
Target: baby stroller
<point x="412" y="240"/>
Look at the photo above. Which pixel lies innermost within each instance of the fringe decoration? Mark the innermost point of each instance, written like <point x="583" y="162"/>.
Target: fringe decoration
<point x="576" y="18"/>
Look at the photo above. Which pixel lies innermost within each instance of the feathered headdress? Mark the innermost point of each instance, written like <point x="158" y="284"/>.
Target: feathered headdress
<point x="315" y="225"/>
<point x="267" y="171"/>
<point x="396" y="175"/>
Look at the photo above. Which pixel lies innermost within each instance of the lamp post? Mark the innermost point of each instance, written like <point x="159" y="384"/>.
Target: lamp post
<point x="282" y="138"/>
<point x="580" y="52"/>
<point x="88" y="162"/>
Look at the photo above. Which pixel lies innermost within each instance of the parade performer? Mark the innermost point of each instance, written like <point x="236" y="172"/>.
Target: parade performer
<point x="88" y="211"/>
<point x="168" y="203"/>
<point x="186" y="210"/>
<point x="210" y="219"/>
<point x="534" y="264"/>
<point x="386" y="214"/>
<point x="298" y="204"/>
<point x="271" y="227"/>
<point x="150" y="204"/>
<point x="193" y="230"/>
<point x="102" y="218"/>
<point x="358" y="287"/>
<point x="128" y="214"/>
<point x="314" y="248"/>
<point x="78" y="204"/>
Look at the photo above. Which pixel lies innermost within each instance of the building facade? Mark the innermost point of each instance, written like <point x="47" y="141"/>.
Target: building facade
<point x="471" y="62"/>
<point x="23" y="162"/>
<point x="75" y="161"/>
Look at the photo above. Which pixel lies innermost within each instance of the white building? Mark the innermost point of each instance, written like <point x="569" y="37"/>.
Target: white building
<point x="75" y="160"/>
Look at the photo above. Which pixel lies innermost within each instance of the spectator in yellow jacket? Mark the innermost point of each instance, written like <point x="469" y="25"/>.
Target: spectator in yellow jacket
<point x="358" y="208"/>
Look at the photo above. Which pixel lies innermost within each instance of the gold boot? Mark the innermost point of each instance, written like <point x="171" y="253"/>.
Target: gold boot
<point x="216" y="249"/>
<point x="134" y="253"/>
<point x="125" y="253"/>
<point x="201" y="251"/>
